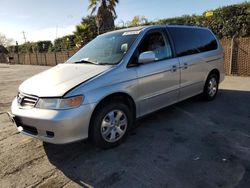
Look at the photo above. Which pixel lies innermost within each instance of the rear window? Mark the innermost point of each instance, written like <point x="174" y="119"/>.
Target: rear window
<point x="190" y="41"/>
<point x="208" y="42"/>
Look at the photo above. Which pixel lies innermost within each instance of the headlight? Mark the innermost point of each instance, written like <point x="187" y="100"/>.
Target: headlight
<point x="57" y="104"/>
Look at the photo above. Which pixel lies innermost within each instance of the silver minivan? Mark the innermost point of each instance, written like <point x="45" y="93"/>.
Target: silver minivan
<point x="114" y="79"/>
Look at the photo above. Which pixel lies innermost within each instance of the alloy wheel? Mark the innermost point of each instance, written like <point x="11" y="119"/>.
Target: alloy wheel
<point x="212" y="87"/>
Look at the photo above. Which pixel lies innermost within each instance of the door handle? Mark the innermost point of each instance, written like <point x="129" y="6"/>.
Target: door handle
<point x="185" y="66"/>
<point x="174" y="68"/>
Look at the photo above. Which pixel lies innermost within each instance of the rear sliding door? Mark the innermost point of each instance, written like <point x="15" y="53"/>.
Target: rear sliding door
<point x="192" y="65"/>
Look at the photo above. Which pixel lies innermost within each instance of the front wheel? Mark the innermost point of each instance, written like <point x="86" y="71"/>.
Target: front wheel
<point x="211" y="87"/>
<point x="110" y="125"/>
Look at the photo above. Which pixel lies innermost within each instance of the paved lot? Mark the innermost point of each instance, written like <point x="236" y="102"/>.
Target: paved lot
<point x="190" y="144"/>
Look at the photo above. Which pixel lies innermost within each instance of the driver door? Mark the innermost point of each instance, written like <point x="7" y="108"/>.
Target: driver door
<point x="159" y="80"/>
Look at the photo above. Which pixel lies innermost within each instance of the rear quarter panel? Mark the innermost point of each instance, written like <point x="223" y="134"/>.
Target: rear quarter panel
<point x="214" y="60"/>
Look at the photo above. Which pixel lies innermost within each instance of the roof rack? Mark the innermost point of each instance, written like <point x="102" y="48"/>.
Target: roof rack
<point x="183" y="24"/>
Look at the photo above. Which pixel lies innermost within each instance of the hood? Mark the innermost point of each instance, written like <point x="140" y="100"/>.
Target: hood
<point x="56" y="81"/>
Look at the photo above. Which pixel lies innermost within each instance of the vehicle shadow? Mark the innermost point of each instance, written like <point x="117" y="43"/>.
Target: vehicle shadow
<point x="165" y="148"/>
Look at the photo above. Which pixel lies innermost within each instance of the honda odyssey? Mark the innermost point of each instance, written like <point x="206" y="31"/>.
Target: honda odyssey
<point x="114" y="79"/>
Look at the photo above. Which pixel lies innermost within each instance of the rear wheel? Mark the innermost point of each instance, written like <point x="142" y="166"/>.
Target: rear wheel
<point x="110" y="125"/>
<point x="211" y="87"/>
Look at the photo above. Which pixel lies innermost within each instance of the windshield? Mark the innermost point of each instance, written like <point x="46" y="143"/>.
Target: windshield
<point x="105" y="49"/>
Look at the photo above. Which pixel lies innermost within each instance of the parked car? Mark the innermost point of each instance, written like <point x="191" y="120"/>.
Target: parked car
<point x="118" y="77"/>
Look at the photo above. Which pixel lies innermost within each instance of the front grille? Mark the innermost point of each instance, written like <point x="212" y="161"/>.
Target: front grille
<point x="26" y="101"/>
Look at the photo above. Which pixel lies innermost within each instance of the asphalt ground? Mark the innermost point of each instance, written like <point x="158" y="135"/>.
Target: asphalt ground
<point x="190" y="144"/>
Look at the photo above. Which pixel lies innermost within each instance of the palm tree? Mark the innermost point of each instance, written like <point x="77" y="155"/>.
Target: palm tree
<point x="105" y="14"/>
<point x="85" y="31"/>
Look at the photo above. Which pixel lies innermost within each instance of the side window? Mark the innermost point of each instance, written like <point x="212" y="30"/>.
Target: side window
<point x="186" y="40"/>
<point x="157" y="43"/>
<point x="208" y="42"/>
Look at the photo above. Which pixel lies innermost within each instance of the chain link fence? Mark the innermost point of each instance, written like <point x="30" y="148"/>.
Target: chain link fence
<point x="237" y="56"/>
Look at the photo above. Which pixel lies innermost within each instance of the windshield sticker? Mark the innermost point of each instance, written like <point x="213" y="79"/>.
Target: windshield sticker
<point x="131" y="33"/>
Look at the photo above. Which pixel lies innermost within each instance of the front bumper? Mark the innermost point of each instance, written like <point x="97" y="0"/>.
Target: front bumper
<point x="53" y="126"/>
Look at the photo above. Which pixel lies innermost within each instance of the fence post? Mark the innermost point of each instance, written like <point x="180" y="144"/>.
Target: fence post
<point x="55" y="58"/>
<point x="231" y="54"/>
<point x="45" y="59"/>
<point x="18" y="60"/>
<point x="29" y="58"/>
<point x="68" y="52"/>
<point x="37" y="59"/>
<point x="17" y="51"/>
<point x="234" y="52"/>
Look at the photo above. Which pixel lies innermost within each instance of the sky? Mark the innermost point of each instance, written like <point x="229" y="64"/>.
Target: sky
<point x="49" y="19"/>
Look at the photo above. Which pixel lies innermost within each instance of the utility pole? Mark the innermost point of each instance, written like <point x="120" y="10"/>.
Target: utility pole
<point x="56" y="31"/>
<point x="27" y="50"/>
<point x="24" y="37"/>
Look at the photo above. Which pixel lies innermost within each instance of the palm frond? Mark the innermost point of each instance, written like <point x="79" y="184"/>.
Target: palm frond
<point x="93" y="5"/>
<point x="112" y="10"/>
<point x="113" y="3"/>
<point x="93" y="10"/>
<point x="111" y="6"/>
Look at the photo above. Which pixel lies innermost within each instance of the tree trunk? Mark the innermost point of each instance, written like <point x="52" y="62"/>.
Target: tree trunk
<point x="104" y="20"/>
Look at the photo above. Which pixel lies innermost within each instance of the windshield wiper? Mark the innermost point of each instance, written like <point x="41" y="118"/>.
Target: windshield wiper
<point x="91" y="62"/>
<point x="86" y="62"/>
<point x="105" y="64"/>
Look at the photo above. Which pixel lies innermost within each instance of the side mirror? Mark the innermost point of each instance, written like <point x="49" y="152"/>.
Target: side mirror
<point x="146" y="57"/>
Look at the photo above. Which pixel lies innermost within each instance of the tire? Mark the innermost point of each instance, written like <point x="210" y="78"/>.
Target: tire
<point x="110" y="125"/>
<point x="211" y="87"/>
